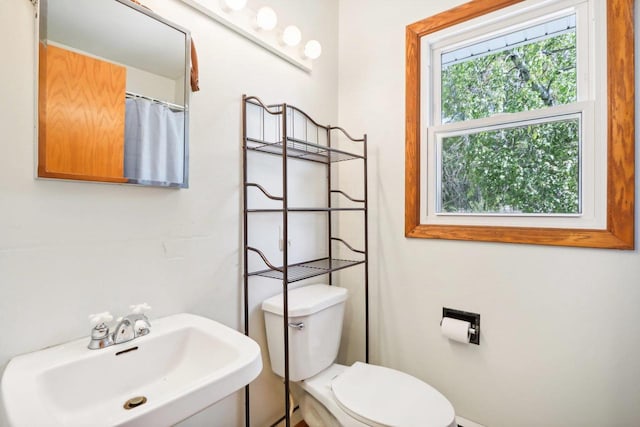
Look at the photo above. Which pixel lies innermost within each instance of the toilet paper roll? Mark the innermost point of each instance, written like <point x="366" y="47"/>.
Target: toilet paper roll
<point x="456" y="330"/>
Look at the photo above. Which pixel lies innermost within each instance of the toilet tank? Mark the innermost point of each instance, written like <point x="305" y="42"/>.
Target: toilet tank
<point x="318" y="311"/>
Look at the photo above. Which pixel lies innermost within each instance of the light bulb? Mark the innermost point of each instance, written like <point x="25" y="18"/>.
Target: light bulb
<point x="313" y="49"/>
<point x="291" y="35"/>
<point x="266" y="18"/>
<point x="235" y="4"/>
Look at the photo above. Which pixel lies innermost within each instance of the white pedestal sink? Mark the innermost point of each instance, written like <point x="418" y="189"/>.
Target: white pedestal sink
<point x="185" y="364"/>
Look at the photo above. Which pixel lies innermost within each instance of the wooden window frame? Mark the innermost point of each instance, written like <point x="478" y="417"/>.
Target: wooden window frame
<point x="620" y="231"/>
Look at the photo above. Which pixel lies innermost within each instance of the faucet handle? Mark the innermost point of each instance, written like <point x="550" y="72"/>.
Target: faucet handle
<point x="99" y="318"/>
<point x="140" y="308"/>
<point x="141" y="324"/>
<point x="100" y="336"/>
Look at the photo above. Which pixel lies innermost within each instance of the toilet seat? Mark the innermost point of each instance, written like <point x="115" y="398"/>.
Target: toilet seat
<point x="383" y="397"/>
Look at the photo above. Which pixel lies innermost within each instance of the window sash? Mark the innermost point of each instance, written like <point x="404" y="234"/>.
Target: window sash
<point x="541" y="12"/>
<point x="440" y="136"/>
<point x="591" y="170"/>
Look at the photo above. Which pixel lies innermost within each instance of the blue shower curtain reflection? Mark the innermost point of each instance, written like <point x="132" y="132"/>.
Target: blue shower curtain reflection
<point x="154" y="143"/>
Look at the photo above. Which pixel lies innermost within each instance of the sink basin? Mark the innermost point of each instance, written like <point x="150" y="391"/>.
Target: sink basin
<point x="185" y="364"/>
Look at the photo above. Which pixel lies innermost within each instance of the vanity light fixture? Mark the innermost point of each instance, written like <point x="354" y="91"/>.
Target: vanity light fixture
<point x="313" y="49"/>
<point x="235" y="5"/>
<point x="266" y="18"/>
<point x="261" y="27"/>
<point x="291" y="36"/>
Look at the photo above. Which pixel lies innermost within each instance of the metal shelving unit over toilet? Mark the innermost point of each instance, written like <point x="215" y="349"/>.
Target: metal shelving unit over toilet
<point x="305" y="149"/>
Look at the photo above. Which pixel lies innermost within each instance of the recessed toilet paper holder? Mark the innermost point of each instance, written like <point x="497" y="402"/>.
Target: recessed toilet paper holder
<point x="472" y="318"/>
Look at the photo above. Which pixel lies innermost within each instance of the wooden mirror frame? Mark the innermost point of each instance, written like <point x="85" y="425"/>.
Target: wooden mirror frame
<point x="619" y="232"/>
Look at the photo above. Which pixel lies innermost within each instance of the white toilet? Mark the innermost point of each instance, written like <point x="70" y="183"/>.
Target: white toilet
<point x="330" y="394"/>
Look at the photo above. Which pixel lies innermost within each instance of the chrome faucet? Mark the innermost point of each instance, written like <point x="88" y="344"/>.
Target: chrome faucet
<point x="129" y="327"/>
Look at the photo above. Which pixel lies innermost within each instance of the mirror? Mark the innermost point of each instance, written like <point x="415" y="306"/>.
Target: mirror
<point x="113" y="94"/>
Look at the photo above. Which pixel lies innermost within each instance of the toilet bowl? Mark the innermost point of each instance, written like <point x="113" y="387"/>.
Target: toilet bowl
<point x="369" y="395"/>
<point x="333" y="395"/>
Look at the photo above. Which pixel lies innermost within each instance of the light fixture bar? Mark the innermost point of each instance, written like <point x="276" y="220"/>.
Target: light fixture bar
<point x="243" y="25"/>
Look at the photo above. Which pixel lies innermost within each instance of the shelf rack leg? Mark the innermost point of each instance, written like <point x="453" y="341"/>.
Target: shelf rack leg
<point x="245" y="243"/>
<point x="329" y="224"/>
<point x="285" y="263"/>
<point x="366" y="256"/>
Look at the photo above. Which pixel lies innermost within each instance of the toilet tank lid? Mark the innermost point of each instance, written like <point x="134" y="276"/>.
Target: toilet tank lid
<point x="306" y="300"/>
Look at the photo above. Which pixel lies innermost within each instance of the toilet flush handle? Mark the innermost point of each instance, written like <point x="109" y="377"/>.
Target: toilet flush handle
<point x="299" y="326"/>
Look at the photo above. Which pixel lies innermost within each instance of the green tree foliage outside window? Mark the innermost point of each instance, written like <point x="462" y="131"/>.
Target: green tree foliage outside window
<point x="533" y="168"/>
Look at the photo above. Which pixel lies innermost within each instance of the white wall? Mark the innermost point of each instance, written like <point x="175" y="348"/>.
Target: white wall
<point x="559" y="342"/>
<point x="68" y="249"/>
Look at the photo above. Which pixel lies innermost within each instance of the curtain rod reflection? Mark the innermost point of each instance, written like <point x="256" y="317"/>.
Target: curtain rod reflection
<point x="168" y="104"/>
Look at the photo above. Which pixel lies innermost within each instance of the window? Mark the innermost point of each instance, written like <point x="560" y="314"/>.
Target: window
<point x="520" y="123"/>
<point x="521" y="168"/>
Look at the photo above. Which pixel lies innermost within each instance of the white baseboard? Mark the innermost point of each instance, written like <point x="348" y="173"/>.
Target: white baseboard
<point x="467" y="423"/>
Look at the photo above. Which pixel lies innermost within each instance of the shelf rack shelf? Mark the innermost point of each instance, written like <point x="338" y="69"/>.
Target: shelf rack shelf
<point x="307" y="210"/>
<point x="273" y="131"/>
<point x="301" y="150"/>
<point x="306" y="270"/>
